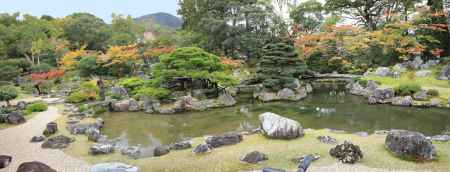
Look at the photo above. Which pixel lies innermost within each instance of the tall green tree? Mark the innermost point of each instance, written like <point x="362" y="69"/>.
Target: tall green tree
<point x="84" y="29"/>
<point x="124" y="31"/>
<point x="308" y="15"/>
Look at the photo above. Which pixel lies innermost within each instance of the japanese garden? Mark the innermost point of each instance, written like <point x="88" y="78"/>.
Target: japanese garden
<point x="228" y="86"/>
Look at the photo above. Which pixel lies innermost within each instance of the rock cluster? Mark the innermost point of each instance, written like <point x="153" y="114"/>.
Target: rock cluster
<point x="58" y="142"/>
<point x="277" y="127"/>
<point x="347" y="153"/>
<point x="223" y="140"/>
<point x="284" y="94"/>
<point x="412" y="145"/>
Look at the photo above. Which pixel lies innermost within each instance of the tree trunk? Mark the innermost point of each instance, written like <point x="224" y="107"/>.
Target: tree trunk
<point x="8" y="103"/>
<point x="101" y="88"/>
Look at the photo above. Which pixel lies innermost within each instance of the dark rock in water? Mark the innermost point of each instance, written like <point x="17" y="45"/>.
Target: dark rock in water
<point x="101" y="148"/>
<point x="21" y="105"/>
<point x="93" y="134"/>
<point x="445" y="73"/>
<point x="15" y="118"/>
<point x="222" y="140"/>
<point x="34" y="167"/>
<point x="5" y="160"/>
<point x="161" y="150"/>
<point x="347" y="153"/>
<point x="37" y="139"/>
<point x="412" y="145"/>
<point x="305" y="162"/>
<point x="441" y="138"/>
<point x="362" y="134"/>
<point x="113" y="167"/>
<point x="50" y="129"/>
<point x="202" y="148"/>
<point x="181" y="145"/>
<point x="268" y="169"/>
<point x="277" y="127"/>
<point x="131" y="151"/>
<point x="58" y="142"/>
<point x="327" y="139"/>
<point x="254" y="157"/>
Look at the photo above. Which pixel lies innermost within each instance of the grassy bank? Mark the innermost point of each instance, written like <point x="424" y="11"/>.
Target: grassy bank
<point x="280" y="153"/>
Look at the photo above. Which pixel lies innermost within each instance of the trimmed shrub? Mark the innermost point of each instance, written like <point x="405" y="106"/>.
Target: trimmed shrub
<point x="77" y="97"/>
<point x="8" y="93"/>
<point x="407" y="89"/>
<point x="433" y="92"/>
<point x="36" y="107"/>
<point x="43" y="67"/>
<point x="158" y="93"/>
<point x="132" y="83"/>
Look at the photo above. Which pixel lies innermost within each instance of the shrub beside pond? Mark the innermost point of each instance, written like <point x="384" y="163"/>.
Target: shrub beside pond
<point x="36" y="107"/>
<point x="407" y="89"/>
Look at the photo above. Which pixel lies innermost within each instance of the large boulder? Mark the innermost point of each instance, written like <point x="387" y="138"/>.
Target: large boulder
<point x="402" y="101"/>
<point x="126" y="105"/>
<point x="202" y="149"/>
<point x="381" y="95"/>
<point x="133" y="106"/>
<point x="226" y="100"/>
<point x="15" y="118"/>
<point x="356" y="89"/>
<point x="93" y="134"/>
<point x="58" y="142"/>
<point x="254" y="157"/>
<point x="50" y="129"/>
<point x="161" y="150"/>
<point x="222" y="140"/>
<point x="119" y="91"/>
<point x="347" y="153"/>
<point x="445" y="73"/>
<point x="34" y="167"/>
<point x="383" y="71"/>
<point x="421" y="96"/>
<point x="101" y="148"/>
<point x="5" y="160"/>
<point x="278" y="127"/>
<point x="113" y="167"/>
<point x="150" y="105"/>
<point x="412" y="145"/>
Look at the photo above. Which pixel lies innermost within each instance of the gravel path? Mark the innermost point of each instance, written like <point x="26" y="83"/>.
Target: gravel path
<point x="350" y="168"/>
<point x="15" y="142"/>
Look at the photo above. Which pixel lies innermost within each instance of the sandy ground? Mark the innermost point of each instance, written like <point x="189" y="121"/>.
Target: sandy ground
<point x="15" y="142"/>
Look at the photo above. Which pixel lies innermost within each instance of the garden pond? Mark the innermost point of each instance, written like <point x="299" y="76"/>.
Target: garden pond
<point x="329" y="106"/>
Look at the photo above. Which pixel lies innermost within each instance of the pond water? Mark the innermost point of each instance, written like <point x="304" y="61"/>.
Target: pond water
<point x="328" y="107"/>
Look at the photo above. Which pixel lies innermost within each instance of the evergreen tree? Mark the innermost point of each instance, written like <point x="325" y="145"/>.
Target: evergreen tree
<point x="280" y="66"/>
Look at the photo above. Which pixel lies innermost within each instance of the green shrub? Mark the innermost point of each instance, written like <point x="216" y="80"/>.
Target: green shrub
<point x="8" y="93"/>
<point x="361" y="81"/>
<point x="43" y="67"/>
<point x="158" y="93"/>
<point x="433" y="92"/>
<point x="77" y="97"/>
<point x="407" y="89"/>
<point x="132" y="83"/>
<point x="36" y="107"/>
<point x="99" y="110"/>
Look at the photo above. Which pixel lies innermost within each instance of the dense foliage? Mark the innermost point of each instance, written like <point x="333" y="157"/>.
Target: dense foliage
<point x="8" y="93"/>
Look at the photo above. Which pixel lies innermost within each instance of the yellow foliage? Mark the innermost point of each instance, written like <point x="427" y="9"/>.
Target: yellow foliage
<point x="119" y="55"/>
<point x="70" y="60"/>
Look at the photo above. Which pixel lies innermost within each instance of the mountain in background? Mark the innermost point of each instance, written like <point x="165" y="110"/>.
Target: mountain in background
<point x="161" y="18"/>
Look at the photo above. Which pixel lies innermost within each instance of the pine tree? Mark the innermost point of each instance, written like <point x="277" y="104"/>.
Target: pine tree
<point x="280" y="66"/>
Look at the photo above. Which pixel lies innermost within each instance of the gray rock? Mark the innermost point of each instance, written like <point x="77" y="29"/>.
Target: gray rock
<point x="347" y="153"/>
<point x="254" y="157"/>
<point x="278" y="127"/>
<point x="411" y="145"/>
<point x="381" y="95"/>
<point x="133" y="152"/>
<point x="423" y="73"/>
<point x="202" y="149"/>
<point x="161" y="151"/>
<point x="133" y="106"/>
<point x="37" y="139"/>
<point x="287" y="94"/>
<point x="268" y="169"/>
<point x="305" y="161"/>
<point x="402" y="101"/>
<point x="400" y="67"/>
<point x="441" y="138"/>
<point x="266" y="96"/>
<point x="223" y="140"/>
<point x="21" y="105"/>
<point x="50" y="129"/>
<point x="121" y="106"/>
<point x="150" y="105"/>
<point x="113" y="167"/>
<point x="34" y="167"/>
<point x="5" y="160"/>
<point x="93" y="134"/>
<point x="226" y="100"/>
<point x="357" y="89"/>
<point x="58" y="142"/>
<point x="309" y="88"/>
<point x="445" y="73"/>
<point x="371" y="86"/>
<point x="416" y="63"/>
<point x="383" y="71"/>
<point x="15" y="118"/>
<point x="181" y="145"/>
<point x="435" y="102"/>
<point x="421" y="96"/>
<point x="327" y="139"/>
<point x="119" y="91"/>
<point x="101" y="149"/>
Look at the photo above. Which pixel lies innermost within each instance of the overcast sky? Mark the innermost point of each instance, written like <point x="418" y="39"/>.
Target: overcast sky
<point x="101" y="8"/>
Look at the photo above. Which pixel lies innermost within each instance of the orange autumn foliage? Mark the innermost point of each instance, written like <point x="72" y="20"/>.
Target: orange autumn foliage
<point x="53" y="74"/>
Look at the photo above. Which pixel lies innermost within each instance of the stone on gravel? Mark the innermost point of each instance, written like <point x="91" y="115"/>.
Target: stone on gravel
<point x="347" y="153"/>
<point x="5" y="160"/>
<point x="34" y="167"/>
<point x="327" y="139"/>
<point x="161" y="150"/>
<point x="15" y="118"/>
<point x="131" y="151"/>
<point x="101" y="148"/>
<point x="413" y="145"/>
<point x="181" y="145"/>
<point x="202" y="148"/>
<point x="50" y="129"/>
<point x="223" y="140"/>
<point x="37" y="139"/>
<point x="277" y="127"/>
<point x="58" y="142"/>
<point x="268" y="169"/>
<point x="441" y="138"/>
<point x="113" y="167"/>
<point x="93" y="134"/>
<point x="254" y="157"/>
